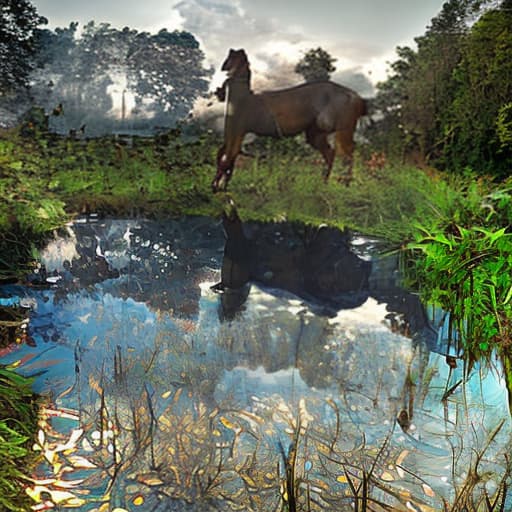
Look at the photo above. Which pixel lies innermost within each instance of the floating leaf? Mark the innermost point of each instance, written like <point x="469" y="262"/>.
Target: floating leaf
<point x="428" y="490"/>
<point x="387" y="477"/>
<point x="138" y="500"/>
<point x="45" y="505"/>
<point x="72" y="441"/>
<point x="74" y="503"/>
<point x="150" y="479"/>
<point x="86" y="445"/>
<point x="229" y="424"/>
<point x="401" y="457"/>
<point x="248" y="480"/>
<point x="57" y="497"/>
<point x="80" y="462"/>
<point x="68" y="414"/>
<point x="68" y="484"/>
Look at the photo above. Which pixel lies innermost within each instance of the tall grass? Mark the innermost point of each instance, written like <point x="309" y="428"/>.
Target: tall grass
<point x="18" y="422"/>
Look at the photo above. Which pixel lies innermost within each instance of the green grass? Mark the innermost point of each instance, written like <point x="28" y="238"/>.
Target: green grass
<point x="45" y="179"/>
<point x="18" y="425"/>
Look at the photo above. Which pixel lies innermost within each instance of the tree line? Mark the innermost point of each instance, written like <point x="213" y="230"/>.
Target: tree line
<point x="449" y="101"/>
<point x="156" y="76"/>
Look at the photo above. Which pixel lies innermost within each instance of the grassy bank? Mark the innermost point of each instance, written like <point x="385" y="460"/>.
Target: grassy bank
<point x="45" y="179"/>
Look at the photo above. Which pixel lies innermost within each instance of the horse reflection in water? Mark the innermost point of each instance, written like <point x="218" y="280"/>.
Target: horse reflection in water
<point x="315" y="108"/>
<point x="234" y="285"/>
<point x="314" y="266"/>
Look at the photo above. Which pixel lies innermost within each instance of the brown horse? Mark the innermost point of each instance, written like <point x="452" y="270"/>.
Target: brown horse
<point x="316" y="108"/>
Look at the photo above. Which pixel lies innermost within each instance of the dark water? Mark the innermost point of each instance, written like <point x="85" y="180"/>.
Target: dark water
<point x="164" y="394"/>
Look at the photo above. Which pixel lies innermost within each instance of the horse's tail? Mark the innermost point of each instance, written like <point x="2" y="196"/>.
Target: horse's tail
<point x="369" y="106"/>
<point x="365" y="107"/>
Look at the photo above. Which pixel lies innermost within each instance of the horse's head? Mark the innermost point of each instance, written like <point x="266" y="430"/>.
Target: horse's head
<point x="236" y="63"/>
<point x="224" y="172"/>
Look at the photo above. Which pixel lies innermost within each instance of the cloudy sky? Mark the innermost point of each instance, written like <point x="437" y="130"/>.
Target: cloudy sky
<point x="361" y="34"/>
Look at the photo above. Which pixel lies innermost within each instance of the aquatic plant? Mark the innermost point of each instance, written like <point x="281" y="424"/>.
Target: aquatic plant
<point x="18" y="424"/>
<point x="462" y="261"/>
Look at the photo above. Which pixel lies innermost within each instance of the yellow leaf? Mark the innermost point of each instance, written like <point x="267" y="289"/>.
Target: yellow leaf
<point x="138" y="500"/>
<point x="50" y="455"/>
<point x="35" y="492"/>
<point x="177" y="395"/>
<point x="61" y="496"/>
<point x="150" y="479"/>
<point x="80" y="462"/>
<point x="74" y="503"/>
<point x="401" y="457"/>
<point x="342" y="479"/>
<point x="387" y="477"/>
<point x="248" y="480"/>
<point x="228" y="424"/>
<point x="68" y="484"/>
<point x="428" y="490"/>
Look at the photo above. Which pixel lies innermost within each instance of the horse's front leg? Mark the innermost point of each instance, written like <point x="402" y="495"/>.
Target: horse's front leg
<point x="226" y="157"/>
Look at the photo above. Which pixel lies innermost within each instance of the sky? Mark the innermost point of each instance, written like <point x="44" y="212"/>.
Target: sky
<point x="361" y="34"/>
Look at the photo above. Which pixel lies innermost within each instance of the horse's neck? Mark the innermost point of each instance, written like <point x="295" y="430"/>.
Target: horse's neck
<point x="238" y="88"/>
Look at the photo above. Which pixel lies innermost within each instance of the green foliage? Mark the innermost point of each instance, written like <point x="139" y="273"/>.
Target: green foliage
<point x="504" y="127"/>
<point x="483" y="87"/>
<point x="445" y="103"/>
<point x="463" y="263"/>
<point x="317" y="64"/>
<point x="18" y="413"/>
<point x="47" y="178"/>
<point x="18" y="21"/>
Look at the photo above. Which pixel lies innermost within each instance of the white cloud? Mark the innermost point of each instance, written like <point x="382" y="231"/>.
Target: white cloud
<point x="273" y="50"/>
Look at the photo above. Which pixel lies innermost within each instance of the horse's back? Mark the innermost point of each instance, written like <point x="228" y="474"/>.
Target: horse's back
<point x="328" y="105"/>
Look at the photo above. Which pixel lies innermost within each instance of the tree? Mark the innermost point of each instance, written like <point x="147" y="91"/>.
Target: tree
<point x="428" y="87"/>
<point x="316" y="64"/>
<point x="476" y="120"/>
<point x="89" y="74"/>
<point x="18" y="21"/>
<point x="448" y="97"/>
<point x="165" y="71"/>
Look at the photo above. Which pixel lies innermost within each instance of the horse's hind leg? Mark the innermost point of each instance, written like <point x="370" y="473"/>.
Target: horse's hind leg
<point x="318" y="140"/>
<point x="345" y="148"/>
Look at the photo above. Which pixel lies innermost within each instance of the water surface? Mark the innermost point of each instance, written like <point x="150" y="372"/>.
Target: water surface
<point x="159" y="401"/>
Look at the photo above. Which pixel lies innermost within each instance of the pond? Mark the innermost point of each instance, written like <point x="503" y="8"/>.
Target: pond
<point x="283" y="366"/>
